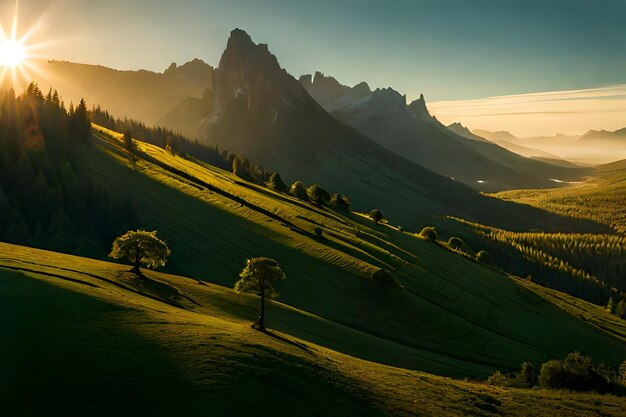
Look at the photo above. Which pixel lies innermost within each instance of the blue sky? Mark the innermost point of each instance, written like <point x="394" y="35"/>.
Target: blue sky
<point x="446" y="49"/>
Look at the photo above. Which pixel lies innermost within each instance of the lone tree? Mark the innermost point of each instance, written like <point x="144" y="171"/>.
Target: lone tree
<point x="340" y="202"/>
<point x="128" y="142"/>
<point x="256" y="278"/>
<point x="376" y="215"/>
<point x="141" y="248"/>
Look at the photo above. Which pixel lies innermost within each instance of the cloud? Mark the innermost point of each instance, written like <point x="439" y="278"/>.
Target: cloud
<point x="545" y="113"/>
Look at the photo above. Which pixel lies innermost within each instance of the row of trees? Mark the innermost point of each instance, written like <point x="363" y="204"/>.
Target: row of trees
<point x="576" y="372"/>
<point x="179" y="145"/>
<point x="45" y="200"/>
<point x="315" y="193"/>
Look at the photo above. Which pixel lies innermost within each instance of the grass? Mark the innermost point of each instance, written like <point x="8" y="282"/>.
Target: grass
<point x="601" y="197"/>
<point x="89" y="338"/>
<point x="118" y="343"/>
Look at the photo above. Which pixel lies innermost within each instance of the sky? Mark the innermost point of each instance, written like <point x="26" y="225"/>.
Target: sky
<point x="446" y="49"/>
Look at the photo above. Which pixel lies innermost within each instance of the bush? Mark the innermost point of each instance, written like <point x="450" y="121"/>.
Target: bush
<point x="429" y="233"/>
<point x="576" y="372"/>
<point x="400" y="229"/>
<point x="552" y="375"/>
<point x="498" y="379"/>
<point x="382" y="278"/>
<point x="483" y="257"/>
<point x="298" y="190"/>
<point x="318" y="195"/>
<point x="527" y="376"/>
<point x="458" y="244"/>
<point x="318" y="231"/>
<point x="377" y="215"/>
<point x="340" y="202"/>
<point x="275" y="182"/>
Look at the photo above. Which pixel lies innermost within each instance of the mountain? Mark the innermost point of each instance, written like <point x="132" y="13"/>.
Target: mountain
<point x="494" y="136"/>
<point x="141" y="95"/>
<point x="461" y="130"/>
<point x="410" y="131"/>
<point x="257" y="109"/>
<point x="605" y="137"/>
<point x="592" y="148"/>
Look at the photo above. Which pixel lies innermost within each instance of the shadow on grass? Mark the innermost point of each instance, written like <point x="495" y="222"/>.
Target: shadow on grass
<point x="276" y="336"/>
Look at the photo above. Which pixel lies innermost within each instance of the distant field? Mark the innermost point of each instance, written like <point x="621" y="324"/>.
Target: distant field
<point x="602" y="197"/>
<point x="88" y="338"/>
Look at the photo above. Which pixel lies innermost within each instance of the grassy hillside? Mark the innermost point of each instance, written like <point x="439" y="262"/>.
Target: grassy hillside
<point x="88" y="338"/>
<point x="447" y="315"/>
<point x="601" y="197"/>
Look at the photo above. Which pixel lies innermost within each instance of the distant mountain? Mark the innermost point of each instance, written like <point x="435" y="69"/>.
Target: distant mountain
<point x="141" y="95"/>
<point x="592" y="148"/>
<point x="461" y="130"/>
<point x="410" y="131"/>
<point x="616" y="138"/>
<point x="493" y="136"/>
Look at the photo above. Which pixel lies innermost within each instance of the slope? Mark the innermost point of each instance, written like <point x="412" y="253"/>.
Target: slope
<point x="167" y="345"/>
<point x="141" y="95"/>
<point x="213" y="221"/>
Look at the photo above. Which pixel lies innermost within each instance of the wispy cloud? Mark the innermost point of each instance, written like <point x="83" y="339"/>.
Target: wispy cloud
<point x="544" y="113"/>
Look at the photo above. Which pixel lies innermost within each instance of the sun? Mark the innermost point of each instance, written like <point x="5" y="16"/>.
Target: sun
<point x="12" y="53"/>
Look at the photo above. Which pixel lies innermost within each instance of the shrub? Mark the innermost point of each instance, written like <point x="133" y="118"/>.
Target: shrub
<point x="458" y="244"/>
<point x="400" y="229"/>
<point x="377" y="215"/>
<point x="275" y="182"/>
<point x="340" y="202"/>
<point x="318" y="195"/>
<point x="298" y="190"/>
<point x="527" y="376"/>
<point x="318" y="231"/>
<point x="498" y="379"/>
<point x="382" y="278"/>
<point x="429" y="233"/>
<point x="552" y="375"/>
<point x="576" y="372"/>
<point x="483" y="257"/>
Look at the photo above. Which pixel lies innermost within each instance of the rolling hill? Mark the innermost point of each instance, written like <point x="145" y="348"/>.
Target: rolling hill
<point x="91" y="339"/>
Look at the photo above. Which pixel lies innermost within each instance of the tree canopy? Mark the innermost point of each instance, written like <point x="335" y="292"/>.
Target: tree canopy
<point x="141" y="248"/>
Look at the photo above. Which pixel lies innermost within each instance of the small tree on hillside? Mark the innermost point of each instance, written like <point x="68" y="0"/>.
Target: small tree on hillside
<point x="129" y="144"/>
<point x="298" y="190"/>
<point x="376" y="215"/>
<point x="318" y="195"/>
<point x="483" y="257"/>
<point x="141" y="248"/>
<point x="429" y="233"/>
<point x="340" y="202"/>
<point x="276" y="183"/>
<point x="257" y="278"/>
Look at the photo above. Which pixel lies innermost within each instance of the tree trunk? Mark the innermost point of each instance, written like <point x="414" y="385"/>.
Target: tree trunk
<point x="136" y="269"/>
<point x="260" y="323"/>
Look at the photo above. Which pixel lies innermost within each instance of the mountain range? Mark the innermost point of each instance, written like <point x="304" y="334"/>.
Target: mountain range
<point x="592" y="148"/>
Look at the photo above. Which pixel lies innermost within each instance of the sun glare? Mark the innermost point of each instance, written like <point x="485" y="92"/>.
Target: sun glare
<point x="17" y="53"/>
<point x="12" y="53"/>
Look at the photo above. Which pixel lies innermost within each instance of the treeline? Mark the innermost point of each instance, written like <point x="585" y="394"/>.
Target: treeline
<point x="577" y="372"/>
<point x="565" y="262"/>
<point x="182" y="146"/>
<point x="44" y="199"/>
